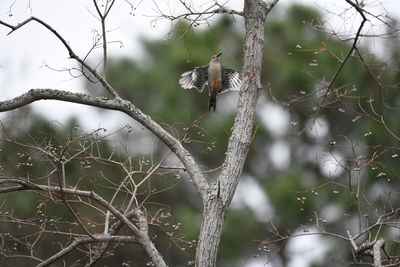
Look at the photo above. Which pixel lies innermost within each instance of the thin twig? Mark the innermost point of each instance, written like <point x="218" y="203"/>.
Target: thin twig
<point x="124" y="106"/>
<point x="72" y="54"/>
<point x="142" y="238"/>
<point x="84" y="240"/>
<point x="349" y="53"/>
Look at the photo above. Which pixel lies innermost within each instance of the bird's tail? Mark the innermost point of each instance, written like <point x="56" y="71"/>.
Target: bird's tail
<point x="212" y="102"/>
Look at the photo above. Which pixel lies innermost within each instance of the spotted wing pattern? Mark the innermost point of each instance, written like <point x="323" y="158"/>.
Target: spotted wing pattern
<point x="231" y="80"/>
<point x="196" y="78"/>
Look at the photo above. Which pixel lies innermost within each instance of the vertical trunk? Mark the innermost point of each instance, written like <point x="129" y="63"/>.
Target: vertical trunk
<point x="218" y="199"/>
<point x="211" y="229"/>
<point x="242" y="133"/>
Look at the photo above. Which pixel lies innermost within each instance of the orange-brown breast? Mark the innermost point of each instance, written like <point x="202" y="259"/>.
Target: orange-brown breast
<point x="216" y="85"/>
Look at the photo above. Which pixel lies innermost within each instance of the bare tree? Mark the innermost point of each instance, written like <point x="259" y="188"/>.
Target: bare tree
<point x="216" y="197"/>
<point x="124" y="218"/>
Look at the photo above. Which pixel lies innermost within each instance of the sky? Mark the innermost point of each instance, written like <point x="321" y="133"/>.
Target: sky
<point x="33" y="58"/>
<point x="31" y="51"/>
<point x="34" y="54"/>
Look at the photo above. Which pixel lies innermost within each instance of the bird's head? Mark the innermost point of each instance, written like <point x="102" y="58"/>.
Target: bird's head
<point x="215" y="58"/>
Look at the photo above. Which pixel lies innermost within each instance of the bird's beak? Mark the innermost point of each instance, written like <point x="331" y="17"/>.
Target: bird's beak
<point x="219" y="54"/>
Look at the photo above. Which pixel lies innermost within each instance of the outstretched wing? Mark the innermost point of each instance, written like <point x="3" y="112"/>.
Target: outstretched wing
<point x="196" y="78"/>
<point x="231" y="80"/>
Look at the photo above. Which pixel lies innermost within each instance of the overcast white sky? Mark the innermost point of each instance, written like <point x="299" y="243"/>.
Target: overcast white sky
<point x="24" y="53"/>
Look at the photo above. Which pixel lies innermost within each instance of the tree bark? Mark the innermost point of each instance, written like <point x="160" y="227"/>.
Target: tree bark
<point x="377" y="252"/>
<point x="211" y="229"/>
<point x="219" y="197"/>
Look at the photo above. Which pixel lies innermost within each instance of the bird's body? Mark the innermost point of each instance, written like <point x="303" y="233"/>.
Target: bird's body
<point x="219" y="79"/>
<point x="214" y="82"/>
<point x="214" y="76"/>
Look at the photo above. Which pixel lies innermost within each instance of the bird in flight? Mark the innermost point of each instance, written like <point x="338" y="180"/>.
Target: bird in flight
<point x="220" y="79"/>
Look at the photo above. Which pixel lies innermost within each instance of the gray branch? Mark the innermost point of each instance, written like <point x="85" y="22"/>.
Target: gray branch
<point x="376" y="249"/>
<point x="85" y="240"/>
<point x="72" y="54"/>
<point x="140" y="237"/>
<point x="120" y="105"/>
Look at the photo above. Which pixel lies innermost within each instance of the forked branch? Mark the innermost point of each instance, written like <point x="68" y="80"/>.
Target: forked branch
<point x="139" y="236"/>
<point x="124" y="106"/>
<point x="349" y="53"/>
<point x="71" y="53"/>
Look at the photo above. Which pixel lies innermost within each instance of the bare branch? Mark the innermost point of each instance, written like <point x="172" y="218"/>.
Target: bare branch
<point x="120" y="105"/>
<point x="349" y="53"/>
<point x="62" y="182"/>
<point x="142" y="238"/>
<point x="195" y="17"/>
<point x="353" y="244"/>
<point x="377" y="252"/>
<point x="72" y="54"/>
<point x="103" y="16"/>
<point x="268" y="6"/>
<point x="84" y="240"/>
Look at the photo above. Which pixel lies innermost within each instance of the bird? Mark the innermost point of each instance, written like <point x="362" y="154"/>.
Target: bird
<point x="220" y="79"/>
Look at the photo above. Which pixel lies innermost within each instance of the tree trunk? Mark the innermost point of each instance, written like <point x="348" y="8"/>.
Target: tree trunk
<point x="219" y="197"/>
<point x="211" y="229"/>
